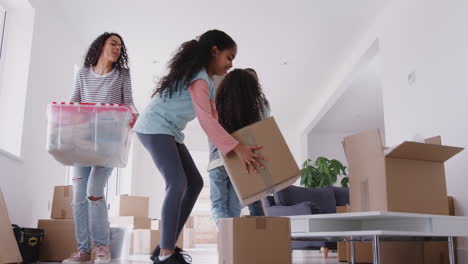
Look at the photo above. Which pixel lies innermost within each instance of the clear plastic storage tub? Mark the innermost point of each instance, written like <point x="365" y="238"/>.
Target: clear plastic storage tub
<point x="82" y="134"/>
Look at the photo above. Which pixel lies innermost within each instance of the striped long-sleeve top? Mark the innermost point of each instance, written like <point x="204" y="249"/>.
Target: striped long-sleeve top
<point x="114" y="87"/>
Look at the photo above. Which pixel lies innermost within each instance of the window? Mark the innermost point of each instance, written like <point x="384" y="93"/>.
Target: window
<point x="2" y="28"/>
<point x="16" y="39"/>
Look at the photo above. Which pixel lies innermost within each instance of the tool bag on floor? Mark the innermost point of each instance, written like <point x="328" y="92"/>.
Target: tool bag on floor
<point x="29" y="242"/>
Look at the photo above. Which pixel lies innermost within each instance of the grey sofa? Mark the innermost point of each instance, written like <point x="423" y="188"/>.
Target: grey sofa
<point x="296" y="200"/>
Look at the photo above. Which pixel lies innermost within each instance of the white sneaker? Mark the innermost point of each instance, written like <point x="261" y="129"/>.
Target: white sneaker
<point x="78" y="258"/>
<point x="102" y="255"/>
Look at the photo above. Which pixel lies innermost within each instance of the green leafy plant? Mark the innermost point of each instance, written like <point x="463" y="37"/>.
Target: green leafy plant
<point x="323" y="172"/>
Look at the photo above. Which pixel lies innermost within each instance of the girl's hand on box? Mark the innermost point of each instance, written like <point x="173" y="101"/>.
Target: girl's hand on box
<point x="248" y="157"/>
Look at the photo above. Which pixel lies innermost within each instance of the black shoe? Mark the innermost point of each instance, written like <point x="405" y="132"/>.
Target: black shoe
<point x="179" y="257"/>
<point x="157" y="251"/>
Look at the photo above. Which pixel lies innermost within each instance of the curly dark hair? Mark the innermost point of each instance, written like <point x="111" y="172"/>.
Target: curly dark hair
<point x="189" y="59"/>
<point x="240" y="101"/>
<point x="94" y="52"/>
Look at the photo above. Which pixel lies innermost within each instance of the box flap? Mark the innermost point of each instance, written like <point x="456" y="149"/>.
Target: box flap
<point x="434" y="140"/>
<point x="366" y="163"/>
<point x="421" y="151"/>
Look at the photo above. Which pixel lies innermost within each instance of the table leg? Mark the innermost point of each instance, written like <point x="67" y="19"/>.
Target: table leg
<point x="353" y="252"/>
<point x="451" y="250"/>
<point x="376" y="250"/>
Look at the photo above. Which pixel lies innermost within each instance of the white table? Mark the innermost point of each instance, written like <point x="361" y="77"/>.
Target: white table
<point x="375" y="226"/>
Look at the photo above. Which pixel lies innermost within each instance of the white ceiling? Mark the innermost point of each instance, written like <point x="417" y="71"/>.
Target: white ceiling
<point x="295" y="46"/>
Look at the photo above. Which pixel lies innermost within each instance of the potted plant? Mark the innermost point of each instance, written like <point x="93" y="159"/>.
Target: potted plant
<point x="323" y="172"/>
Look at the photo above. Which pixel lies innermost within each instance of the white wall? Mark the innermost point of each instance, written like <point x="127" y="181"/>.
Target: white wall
<point x="28" y="184"/>
<point x="430" y="38"/>
<point x="327" y="145"/>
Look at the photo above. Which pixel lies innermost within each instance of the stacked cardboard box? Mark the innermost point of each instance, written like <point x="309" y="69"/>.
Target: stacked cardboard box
<point x="9" y="251"/>
<point x="189" y="233"/>
<point x="407" y="178"/>
<point x="59" y="231"/>
<point x="144" y="241"/>
<point x="259" y="240"/>
<point x="205" y="229"/>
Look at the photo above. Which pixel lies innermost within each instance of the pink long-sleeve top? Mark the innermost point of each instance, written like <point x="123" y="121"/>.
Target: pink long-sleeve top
<point x="205" y="110"/>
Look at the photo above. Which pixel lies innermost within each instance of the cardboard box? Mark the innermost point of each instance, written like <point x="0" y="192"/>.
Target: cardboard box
<point x="259" y="240"/>
<point x="434" y="252"/>
<point x="397" y="252"/>
<point x="131" y="221"/>
<point x="390" y="252"/>
<point x="189" y="238"/>
<point x="342" y="252"/>
<point x="59" y="239"/>
<point x="125" y="205"/>
<point x="144" y="241"/>
<point x="205" y="229"/>
<point x="9" y="251"/>
<point x="62" y="202"/>
<point x="156" y="223"/>
<point x="190" y="222"/>
<point x="451" y="205"/>
<point x="407" y="178"/>
<point x="341" y="209"/>
<point x="280" y="171"/>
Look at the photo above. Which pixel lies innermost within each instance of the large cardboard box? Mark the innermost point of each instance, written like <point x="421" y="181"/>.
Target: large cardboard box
<point x="189" y="238"/>
<point x="144" y="241"/>
<point x="9" y="251"/>
<point x="205" y="230"/>
<point x="259" y="240"/>
<point x="434" y="252"/>
<point x="59" y="239"/>
<point x="341" y="209"/>
<point x="407" y="178"/>
<point x="390" y="252"/>
<point x="342" y="252"/>
<point x="280" y="170"/>
<point x="156" y="223"/>
<point x="62" y="202"/>
<point x="397" y="252"/>
<point x="190" y="222"/>
<point x="125" y="205"/>
<point x="131" y="221"/>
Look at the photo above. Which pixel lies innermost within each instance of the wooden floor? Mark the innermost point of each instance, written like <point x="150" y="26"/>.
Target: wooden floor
<point x="210" y="256"/>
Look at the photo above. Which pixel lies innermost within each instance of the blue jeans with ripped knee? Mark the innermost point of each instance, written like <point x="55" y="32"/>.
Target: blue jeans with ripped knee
<point x="90" y="215"/>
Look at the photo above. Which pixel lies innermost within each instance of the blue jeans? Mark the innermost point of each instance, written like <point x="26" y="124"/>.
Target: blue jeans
<point x="91" y="220"/>
<point x="256" y="209"/>
<point x="224" y="200"/>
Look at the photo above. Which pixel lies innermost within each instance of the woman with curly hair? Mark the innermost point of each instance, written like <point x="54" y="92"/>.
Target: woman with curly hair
<point x="239" y="102"/>
<point x="104" y="78"/>
<point x="186" y="92"/>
